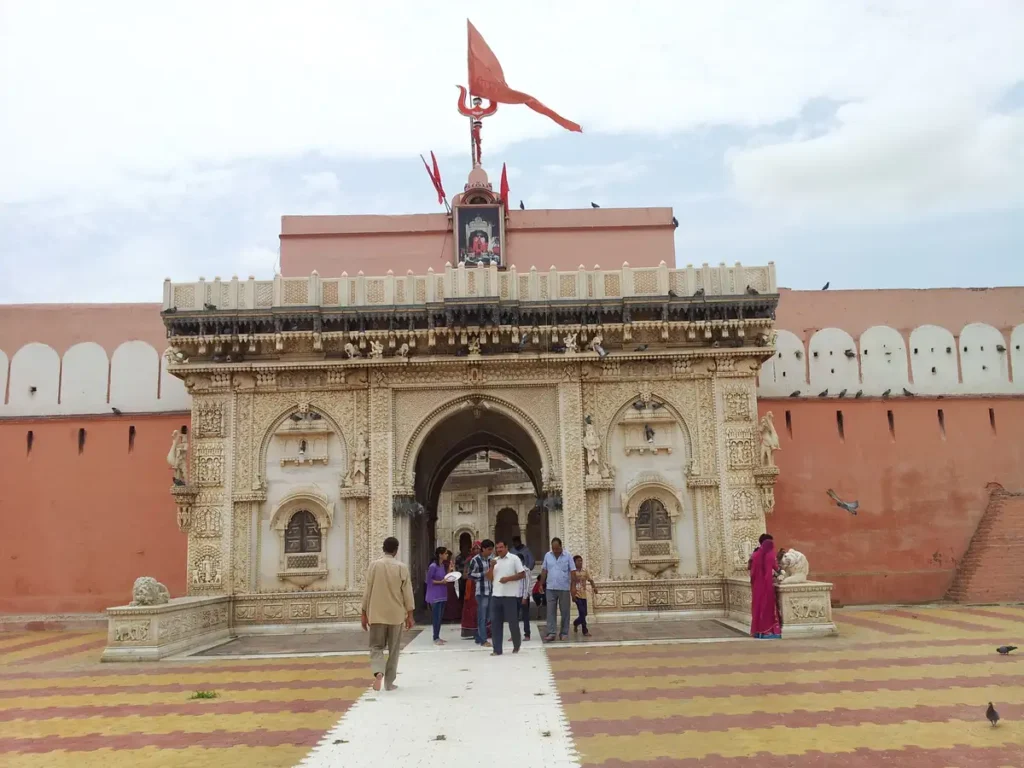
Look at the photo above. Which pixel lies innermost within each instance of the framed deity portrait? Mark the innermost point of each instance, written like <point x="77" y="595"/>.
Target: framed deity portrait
<point x="479" y="234"/>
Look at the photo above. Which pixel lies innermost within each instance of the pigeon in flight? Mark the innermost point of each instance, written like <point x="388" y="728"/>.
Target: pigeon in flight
<point x="992" y="715"/>
<point x="1005" y="649"/>
<point x="594" y="205"/>
<point x="521" y="206"/>
<point x="849" y="506"/>
<point x="825" y="286"/>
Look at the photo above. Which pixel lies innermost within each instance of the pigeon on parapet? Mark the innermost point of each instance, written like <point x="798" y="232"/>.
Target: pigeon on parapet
<point x="849" y="506"/>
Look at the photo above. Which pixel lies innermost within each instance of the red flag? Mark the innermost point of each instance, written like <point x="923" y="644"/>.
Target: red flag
<point x="435" y="177"/>
<point x="504" y="187"/>
<point x="487" y="81"/>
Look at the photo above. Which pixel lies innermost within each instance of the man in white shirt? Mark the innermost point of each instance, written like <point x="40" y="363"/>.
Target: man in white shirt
<point x="506" y="573"/>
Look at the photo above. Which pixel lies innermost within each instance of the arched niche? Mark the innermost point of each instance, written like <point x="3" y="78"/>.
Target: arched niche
<point x="660" y="470"/>
<point x="883" y="360"/>
<point x="173" y="395"/>
<point x="302" y="568"/>
<point x="1016" y="357"/>
<point x="832" y="361"/>
<point x="34" y="381"/>
<point x="287" y="430"/>
<point x="653" y="545"/>
<point x="984" y="360"/>
<point x="506" y="525"/>
<point x="83" y="379"/>
<point x="134" y="373"/>
<point x="784" y="372"/>
<point x="4" y="368"/>
<point x="933" y="360"/>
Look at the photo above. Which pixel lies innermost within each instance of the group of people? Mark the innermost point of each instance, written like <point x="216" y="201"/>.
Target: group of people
<point x="499" y="585"/>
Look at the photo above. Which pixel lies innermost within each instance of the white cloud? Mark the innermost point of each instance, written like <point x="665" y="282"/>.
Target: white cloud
<point x="891" y="158"/>
<point x="92" y="95"/>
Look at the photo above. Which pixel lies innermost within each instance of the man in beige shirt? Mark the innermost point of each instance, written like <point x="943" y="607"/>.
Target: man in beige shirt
<point x="387" y="604"/>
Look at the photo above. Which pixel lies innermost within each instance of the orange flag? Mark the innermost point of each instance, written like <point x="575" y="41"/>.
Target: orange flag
<point x="487" y="81"/>
<point x="504" y="187"/>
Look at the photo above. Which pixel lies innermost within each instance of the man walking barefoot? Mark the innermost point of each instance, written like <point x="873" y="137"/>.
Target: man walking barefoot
<point x="387" y="605"/>
<point x="505" y="574"/>
<point x="557" y="580"/>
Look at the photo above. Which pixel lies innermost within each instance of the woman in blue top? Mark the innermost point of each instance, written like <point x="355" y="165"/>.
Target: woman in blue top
<point x="437" y="590"/>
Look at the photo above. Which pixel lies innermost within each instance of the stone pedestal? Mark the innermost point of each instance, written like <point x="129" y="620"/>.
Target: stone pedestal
<point x="153" y="632"/>
<point x="806" y="607"/>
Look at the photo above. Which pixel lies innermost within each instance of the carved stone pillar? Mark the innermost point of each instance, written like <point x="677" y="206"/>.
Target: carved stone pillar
<point x="381" y="516"/>
<point x="574" y="497"/>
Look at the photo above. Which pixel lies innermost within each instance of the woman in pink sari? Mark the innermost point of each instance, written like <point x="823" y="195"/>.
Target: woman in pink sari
<point x="764" y="617"/>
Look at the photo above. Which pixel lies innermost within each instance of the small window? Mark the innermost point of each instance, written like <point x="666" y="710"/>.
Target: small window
<point x="302" y="534"/>
<point x="653" y="522"/>
<point x="81" y="440"/>
<point x="131" y="438"/>
<point x="29" y="439"/>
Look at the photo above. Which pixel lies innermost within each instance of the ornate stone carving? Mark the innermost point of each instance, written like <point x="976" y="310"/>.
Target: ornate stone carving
<point x="131" y="632"/>
<point x="376" y="350"/>
<point x="177" y="457"/>
<point x="208" y="419"/>
<point x="592" y="444"/>
<point x="737" y="405"/>
<point x="184" y="498"/>
<point x="739" y="448"/>
<point x="209" y="461"/>
<point x="361" y="454"/>
<point x="242" y="537"/>
<point x="149" y="591"/>
<point x="744" y="505"/>
<point x="794" y="567"/>
<point x="205" y="570"/>
<point x="769" y="440"/>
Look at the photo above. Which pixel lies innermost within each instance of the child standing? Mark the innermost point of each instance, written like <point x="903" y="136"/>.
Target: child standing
<point x="578" y="590"/>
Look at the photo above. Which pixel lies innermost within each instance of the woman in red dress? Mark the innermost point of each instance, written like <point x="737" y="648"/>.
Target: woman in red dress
<point x="469" y="604"/>
<point x="764" y="617"/>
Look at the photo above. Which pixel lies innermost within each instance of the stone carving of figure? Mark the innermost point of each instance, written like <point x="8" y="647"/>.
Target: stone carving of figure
<point x="362" y="453"/>
<point x="570" y="343"/>
<point x="177" y="456"/>
<point x="149" y="591"/>
<point x="376" y="350"/>
<point x="794" y="567"/>
<point x="403" y="351"/>
<point x="474" y="346"/>
<point x="769" y="440"/>
<point x="351" y="351"/>
<point x="593" y="445"/>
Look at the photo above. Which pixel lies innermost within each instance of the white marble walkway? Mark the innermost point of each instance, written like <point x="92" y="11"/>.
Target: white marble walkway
<point x="455" y="703"/>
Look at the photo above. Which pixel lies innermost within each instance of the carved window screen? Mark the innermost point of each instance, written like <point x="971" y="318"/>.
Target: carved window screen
<point x="302" y="534"/>
<point x="653" y="522"/>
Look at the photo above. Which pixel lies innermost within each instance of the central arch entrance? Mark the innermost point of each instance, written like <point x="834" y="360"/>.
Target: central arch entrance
<point x="473" y="428"/>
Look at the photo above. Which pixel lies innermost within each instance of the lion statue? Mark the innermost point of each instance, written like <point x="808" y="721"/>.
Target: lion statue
<point x="149" y="591"/>
<point x="794" y="566"/>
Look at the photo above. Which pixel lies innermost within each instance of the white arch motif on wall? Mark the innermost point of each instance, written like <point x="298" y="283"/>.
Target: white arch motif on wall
<point x="983" y="367"/>
<point x="785" y="371"/>
<point x="84" y="378"/>
<point x="34" y="365"/>
<point x="275" y="423"/>
<point x="883" y="361"/>
<point x="1016" y="357"/>
<point x="442" y="412"/>
<point x="829" y="364"/>
<point x="134" y="377"/>
<point x="4" y="367"/>
<point x="933" y="360"/>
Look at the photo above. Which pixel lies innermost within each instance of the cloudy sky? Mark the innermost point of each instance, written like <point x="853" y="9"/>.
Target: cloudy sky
<point x="872" y="144"/>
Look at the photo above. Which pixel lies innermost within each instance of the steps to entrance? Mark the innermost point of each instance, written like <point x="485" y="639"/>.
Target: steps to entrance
<point x="992" y="570"/>
<point x="455" y="703"/>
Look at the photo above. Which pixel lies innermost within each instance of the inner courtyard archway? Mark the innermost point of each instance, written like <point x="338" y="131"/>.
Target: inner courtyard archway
<point x="478" y="471"/>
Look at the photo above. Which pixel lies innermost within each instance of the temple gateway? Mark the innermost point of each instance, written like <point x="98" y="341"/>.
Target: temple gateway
<point x="328" y="412"/>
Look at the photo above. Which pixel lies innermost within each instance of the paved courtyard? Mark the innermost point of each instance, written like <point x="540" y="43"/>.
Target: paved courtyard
<point x="900" y="687"/>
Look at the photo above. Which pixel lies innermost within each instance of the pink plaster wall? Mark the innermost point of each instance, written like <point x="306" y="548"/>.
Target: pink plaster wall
<point x="64" y="325"/>
<point x="543" y="238"/>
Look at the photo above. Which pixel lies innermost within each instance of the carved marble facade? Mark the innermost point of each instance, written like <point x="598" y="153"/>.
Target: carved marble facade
<point x="644" y="451"/>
